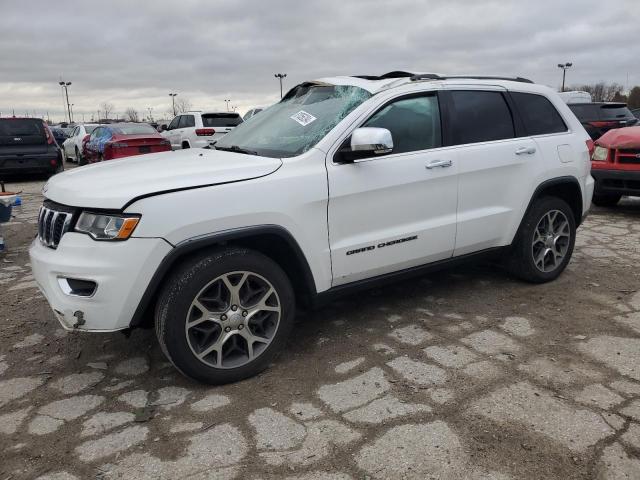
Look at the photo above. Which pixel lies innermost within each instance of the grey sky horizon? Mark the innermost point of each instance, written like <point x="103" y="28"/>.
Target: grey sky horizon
<point x="132" y="54"/>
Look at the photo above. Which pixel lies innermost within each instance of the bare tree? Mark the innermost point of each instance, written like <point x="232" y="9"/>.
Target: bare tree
<point x="182" y="105"/>
<point x="131" y="114"/>
<point x="601" y="91"/>
<point x="633" y="100"/>
<point x="107" y="108"/>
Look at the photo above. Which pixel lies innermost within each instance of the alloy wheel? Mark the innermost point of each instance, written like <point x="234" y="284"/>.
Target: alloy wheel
<point x="551" y="240"/>
<point x="233" y="319"/>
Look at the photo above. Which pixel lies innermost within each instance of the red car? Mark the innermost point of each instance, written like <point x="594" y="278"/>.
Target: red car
<point x="615" y="165"/>
<point x="119" y="140"/>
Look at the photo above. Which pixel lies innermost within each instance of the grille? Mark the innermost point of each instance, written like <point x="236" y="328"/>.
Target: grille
<point x="52" y="225"/>
<point x="629" y="156"/>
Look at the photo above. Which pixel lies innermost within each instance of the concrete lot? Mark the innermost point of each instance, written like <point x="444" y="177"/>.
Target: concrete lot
<point x="466" y="373"/>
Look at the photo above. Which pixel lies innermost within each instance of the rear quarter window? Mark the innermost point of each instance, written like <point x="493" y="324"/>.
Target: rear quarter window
<point x="539" y="115"/>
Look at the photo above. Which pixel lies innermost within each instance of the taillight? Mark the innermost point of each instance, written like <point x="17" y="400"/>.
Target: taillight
<point x="590" y="147"/>
<point x="205" y="132"/>
<point x="85" y="138"/>
<point x="47" y="132"/>
<point x="604" y="124"/>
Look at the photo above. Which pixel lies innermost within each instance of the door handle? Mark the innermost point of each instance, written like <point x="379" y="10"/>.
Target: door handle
<point x="526" y="151"/>
<point x="438" y="163"/>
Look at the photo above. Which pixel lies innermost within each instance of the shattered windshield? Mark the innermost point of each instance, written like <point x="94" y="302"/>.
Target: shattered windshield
<point x="297" y="122"/>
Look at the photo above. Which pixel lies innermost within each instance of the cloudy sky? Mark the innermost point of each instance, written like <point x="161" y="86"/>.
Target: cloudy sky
<point x="132" y="54"/>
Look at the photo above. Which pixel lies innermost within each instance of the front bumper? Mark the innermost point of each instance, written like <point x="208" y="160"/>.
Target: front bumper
<point x="121" y="270"/>
<point x="617" y="182"/>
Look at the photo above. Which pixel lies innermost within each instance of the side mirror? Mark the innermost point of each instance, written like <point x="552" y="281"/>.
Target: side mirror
<point x="372" y="141"/>
<point x="365" y="142"/>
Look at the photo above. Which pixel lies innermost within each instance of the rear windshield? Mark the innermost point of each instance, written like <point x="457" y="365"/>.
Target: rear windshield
<point x="21" y="131"/>
<point x="221" y="119"/>
<point x="595" y="111"/>
<point x="614" y="112"/>
<point x="137" y="129"/>
<point x="17" y="127"/>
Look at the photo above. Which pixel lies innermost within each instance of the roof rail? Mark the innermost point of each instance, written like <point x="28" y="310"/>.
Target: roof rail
<point x="433" y="76"/>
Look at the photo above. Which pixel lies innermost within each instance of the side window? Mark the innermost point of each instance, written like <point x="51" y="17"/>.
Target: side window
<point x="414" y="123"/>
<point x="480" y="116"/>
<point x="95" y="134"/>
<point x="188" y="121"/>
<point x="174" y="123"/>
<point x="539" y="115"/>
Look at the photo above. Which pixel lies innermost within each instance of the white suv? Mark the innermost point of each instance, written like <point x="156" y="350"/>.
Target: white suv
<point x="346" y="182"/>
<point x="199" y="130"/>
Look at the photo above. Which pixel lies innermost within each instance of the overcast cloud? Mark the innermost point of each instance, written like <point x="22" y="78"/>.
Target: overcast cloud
<point x="132" y="54"/>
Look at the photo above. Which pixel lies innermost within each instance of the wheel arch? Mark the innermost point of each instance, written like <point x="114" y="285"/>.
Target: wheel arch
<point x="567" y="188"/>
<point x="271" y="240"/>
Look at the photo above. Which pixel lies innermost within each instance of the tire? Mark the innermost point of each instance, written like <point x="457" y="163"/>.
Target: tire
<point x="604" y="200"/>
<point x="200" y="280"/>
<point x="185" y="145"/>
<point x="535" y="252"/>
<point x="79" y="157"/>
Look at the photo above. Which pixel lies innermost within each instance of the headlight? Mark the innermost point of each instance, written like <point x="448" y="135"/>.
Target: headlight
<point x="107" y="227"/>
<point x="600" y="154"/>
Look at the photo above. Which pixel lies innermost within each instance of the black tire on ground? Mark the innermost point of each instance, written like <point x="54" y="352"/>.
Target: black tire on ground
<point x="521" y="260"/>
<point x="606" y="200"/>
<point x="186" y="283"/>
<point x="185" y="145"/>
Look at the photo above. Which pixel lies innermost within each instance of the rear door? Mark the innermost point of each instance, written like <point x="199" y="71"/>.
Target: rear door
<point x="496" y="160"/>
<point x="22" y="136"/>
<point x="222" y="123"/>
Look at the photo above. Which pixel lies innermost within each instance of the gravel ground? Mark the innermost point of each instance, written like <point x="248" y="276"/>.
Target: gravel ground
<point x="467" y="373"/>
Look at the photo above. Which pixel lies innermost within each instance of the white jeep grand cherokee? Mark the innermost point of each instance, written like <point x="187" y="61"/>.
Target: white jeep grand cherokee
<point x="345" y="182"/>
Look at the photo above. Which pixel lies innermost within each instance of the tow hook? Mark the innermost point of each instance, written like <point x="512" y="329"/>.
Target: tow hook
<point x="80" y="318"/>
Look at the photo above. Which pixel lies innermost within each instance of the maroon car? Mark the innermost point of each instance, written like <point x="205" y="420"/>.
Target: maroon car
<point x="119" y="140"/>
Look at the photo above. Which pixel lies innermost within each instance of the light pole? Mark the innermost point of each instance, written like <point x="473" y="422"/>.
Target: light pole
<point x="150" y="115"/>
<point x="65" y="86"/>
<point x="227" y="101"/>
<point x="280" y="76"/>
<point x="173" y="102"/>
<point x="71" y="111"/>
<point x="564" y="67"/>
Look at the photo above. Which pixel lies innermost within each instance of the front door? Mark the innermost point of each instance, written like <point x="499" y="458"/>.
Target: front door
<point x="396" y="211"/>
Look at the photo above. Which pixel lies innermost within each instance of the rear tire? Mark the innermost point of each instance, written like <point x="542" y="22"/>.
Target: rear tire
<point x="185" y="145"/>
<point x="223" y="316"/>
<point x="604" y="200"/>
<point x="545" y="241"/>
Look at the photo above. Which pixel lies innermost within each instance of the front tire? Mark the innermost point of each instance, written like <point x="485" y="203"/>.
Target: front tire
<point x="545" y="241"/>
<point x="223" y="316"/>
<point x="606" y="200"/>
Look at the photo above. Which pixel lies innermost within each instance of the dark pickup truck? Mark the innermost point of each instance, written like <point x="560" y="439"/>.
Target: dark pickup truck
<point x="27" y="146"/>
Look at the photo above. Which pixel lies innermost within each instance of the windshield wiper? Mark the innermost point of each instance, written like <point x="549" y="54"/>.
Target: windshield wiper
<point x="235" y="149"/>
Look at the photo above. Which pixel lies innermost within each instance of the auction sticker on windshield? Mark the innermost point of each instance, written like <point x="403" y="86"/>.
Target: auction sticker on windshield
<point x="303" y="118"/>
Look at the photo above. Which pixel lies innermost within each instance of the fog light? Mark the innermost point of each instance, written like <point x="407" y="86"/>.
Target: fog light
<point x="76" y="287"/>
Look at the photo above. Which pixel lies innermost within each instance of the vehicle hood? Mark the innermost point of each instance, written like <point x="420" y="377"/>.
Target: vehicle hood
<point x="627" y="137"/>
<point x="114" y="183"/>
